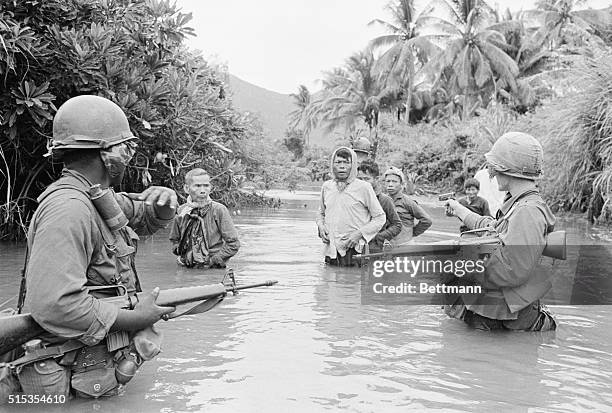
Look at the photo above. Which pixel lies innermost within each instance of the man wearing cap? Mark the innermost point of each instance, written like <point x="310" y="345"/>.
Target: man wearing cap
<point x="407" y="209"/>
<point x="74" y="249"/>
<point x="349" y="216"/>
<point x="368" y="171"/>
<point x="512" y="284"/>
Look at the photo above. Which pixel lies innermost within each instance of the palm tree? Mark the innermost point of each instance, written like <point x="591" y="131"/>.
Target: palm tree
<point x="530" y="58"/>
<point x="350" y="94"/>
<point x="474" y="53"/>
<point x="559" y="16"/>
<point x="397" y="67"/>
<point x="298" y="118"/>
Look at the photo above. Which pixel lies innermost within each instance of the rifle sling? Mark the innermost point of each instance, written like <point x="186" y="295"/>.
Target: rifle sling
<point x="199" y="308"/>
<point x="47" y="352"/>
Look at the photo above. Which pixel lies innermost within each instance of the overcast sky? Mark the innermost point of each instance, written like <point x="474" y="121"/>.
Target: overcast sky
<point x="280" y="44"/>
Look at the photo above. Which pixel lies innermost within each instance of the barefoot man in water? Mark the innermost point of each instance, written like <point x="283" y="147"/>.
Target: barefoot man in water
<point x="512" y="283"/>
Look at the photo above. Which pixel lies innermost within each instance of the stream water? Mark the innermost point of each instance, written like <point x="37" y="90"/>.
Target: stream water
<point x="308" y="344"/>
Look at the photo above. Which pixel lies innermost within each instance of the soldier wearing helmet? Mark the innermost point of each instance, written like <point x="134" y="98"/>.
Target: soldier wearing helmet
<point x="511" y="282"/>
<point x="362" y="147"/>
<point x="82" y="235"/>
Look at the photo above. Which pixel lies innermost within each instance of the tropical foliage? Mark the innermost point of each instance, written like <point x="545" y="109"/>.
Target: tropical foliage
<point x="132" y="53"/>
<point x="577" y="132"/>
<point x="409" y="50"/>
<point x="469" y="71"/>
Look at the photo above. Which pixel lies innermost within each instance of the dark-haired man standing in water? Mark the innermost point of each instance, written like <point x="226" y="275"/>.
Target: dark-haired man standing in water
<point x="368" y="171"/>
<point x="350" y="216"/>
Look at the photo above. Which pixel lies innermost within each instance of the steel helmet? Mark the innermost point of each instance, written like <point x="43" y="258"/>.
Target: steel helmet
<point x="362" y="145"/>
<point x="517" y="154"/>
<point x="89" y="122"/>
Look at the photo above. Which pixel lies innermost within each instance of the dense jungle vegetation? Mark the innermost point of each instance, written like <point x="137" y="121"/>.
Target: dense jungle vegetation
<point x="434" y="93"/>
<point x="131" y="52"/>
<point x="431" y="95"/>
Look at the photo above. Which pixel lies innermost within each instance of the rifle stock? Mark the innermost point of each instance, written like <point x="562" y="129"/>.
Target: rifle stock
<point x="16" y="330"/>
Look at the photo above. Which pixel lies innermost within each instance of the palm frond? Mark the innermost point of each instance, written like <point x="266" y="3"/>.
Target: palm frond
<point x="502" y="64"/>
<point x="438" y="25"/>
<point x="385" y="40"/>
<point x="390" y="27"/>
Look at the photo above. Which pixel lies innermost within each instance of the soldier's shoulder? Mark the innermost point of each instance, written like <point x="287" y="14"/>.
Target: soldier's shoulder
<point x="66" y="198"/>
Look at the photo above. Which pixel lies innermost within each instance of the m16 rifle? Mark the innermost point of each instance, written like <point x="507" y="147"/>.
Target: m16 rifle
<point x="16" y="330"/>
<point x="485" y="245"/>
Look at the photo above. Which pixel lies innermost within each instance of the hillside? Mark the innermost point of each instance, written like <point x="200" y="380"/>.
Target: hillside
<point x="271" y="108"/>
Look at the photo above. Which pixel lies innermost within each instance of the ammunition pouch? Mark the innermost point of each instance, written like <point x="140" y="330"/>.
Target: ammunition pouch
<point x="93" y="370"/>
<point x="95" y="383"/>
<point x="89" y="370"/>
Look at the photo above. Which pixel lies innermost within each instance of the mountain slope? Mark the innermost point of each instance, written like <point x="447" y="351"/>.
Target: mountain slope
<point x="271" y="108"/>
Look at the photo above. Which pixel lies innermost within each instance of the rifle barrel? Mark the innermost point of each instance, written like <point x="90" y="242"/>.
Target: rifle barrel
<point x="18" y="329"/>
<point x="244" y="287"/>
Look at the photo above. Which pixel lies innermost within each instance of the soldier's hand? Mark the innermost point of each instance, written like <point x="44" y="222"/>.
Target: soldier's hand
<point x="163" y="199"/>
<point x="323" y="233"/>
<point x="451" y="205"/>
<point x="146" y="308"/>
<point x="454" y="208"/>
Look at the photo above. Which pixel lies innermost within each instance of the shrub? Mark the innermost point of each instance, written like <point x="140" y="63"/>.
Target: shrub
<point x="132" y="53"/>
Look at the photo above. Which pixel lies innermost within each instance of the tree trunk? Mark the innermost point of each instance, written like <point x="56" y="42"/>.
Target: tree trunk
<point x="409" y="92"/>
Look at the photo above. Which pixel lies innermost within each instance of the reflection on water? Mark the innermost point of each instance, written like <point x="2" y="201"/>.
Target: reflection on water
<point x="308" y="344"/>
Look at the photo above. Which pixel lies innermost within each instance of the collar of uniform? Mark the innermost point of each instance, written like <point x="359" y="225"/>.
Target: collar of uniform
<point x="513" y="198"/>
<point x="397" y="196"/>
<point x="69" y="179"/>
<point x="78" y="176"/>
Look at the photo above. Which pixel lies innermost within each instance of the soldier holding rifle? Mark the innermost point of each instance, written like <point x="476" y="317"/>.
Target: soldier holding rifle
<point x="513" y="285"/>
<point x="83" y="238"/>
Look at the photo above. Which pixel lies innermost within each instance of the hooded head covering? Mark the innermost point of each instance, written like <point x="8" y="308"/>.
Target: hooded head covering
<point x="353" y="172"/>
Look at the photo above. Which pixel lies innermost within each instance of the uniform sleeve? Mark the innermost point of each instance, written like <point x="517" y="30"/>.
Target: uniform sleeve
<point x="475" y="221"/>
<point x="513" y="263"/>
<point x="369" y="230"/>
<point x="395" y="224"/>
<point x="142" y="217"/>
<point x="60" y="253"/>
<point x="423" y="217"/>
<point x="231" y="244"/>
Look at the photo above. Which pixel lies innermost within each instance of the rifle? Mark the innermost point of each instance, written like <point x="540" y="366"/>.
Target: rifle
<point x="17" y="329"/>
<point x="555" y="246"/>
<point x="446" y="196"/>
<point x="483" y="245"/>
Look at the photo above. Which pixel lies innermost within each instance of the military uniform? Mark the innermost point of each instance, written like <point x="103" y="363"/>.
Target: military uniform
<point x="512" y="282"/>
<point x="72" y="250"/>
